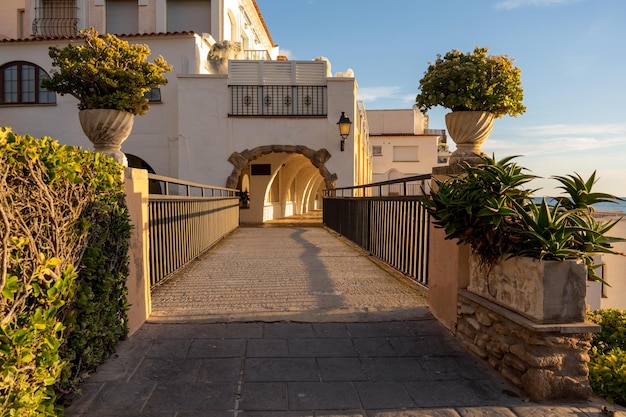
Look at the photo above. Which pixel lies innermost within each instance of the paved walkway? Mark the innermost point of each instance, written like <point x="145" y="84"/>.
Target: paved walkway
<point x="286" y="273"/>
<point x="293" y="321"/>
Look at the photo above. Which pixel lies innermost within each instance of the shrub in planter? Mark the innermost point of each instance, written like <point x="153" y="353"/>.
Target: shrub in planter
<point x="106" y="72"/>
<point x="473" y="81"/>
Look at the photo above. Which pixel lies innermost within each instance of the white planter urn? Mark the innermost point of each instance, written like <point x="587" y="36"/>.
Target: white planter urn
<point x="469" y="130"/>
<point x="545" y="292"/>
<point x="107" y="129"/>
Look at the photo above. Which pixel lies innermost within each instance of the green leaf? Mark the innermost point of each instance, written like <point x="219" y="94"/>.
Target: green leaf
<point x="11" y="286"/>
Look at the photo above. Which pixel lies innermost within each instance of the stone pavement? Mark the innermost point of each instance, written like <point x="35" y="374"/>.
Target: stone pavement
<point x="286" y="273"/>
<point x="231" y="341"/>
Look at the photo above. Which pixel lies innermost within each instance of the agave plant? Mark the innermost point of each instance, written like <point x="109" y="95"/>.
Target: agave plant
<point x="480" y="207"/>
<point x="580" y="192"/>
<point x="487" y="208"/>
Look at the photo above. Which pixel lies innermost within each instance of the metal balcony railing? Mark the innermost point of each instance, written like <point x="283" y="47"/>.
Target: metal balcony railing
<point x="56" y="18"/>
<point x="255" y="55"/>
<point x="278" y="100"/>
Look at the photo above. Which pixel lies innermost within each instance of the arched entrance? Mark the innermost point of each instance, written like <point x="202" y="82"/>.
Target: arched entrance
<point x="281" y="180"/>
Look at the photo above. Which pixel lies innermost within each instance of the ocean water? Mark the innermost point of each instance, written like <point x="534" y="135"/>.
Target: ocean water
<point x="618" y="206"/>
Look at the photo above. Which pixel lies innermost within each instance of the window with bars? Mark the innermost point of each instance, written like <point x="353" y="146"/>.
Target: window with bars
<point x="55" y="18"/>
<point x="20" y="83"/>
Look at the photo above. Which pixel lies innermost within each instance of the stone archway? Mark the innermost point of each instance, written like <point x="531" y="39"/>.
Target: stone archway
<point x="317" y="158"/>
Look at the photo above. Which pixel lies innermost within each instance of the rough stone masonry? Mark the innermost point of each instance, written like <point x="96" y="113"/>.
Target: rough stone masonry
<point x="547" y="361"/>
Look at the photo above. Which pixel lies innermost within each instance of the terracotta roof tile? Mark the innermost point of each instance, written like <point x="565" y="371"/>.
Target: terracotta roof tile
<point x="68" y="38"/>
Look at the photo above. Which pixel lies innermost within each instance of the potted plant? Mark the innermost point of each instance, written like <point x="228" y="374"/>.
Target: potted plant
<point x="244" y="199"/>
<point x="512" y="237"/>
<point x="110" y="78"/>
<point x="478" y="88"/>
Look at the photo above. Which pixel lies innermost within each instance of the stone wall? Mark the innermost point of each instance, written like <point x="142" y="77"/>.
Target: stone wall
<point x="547" y="361"/>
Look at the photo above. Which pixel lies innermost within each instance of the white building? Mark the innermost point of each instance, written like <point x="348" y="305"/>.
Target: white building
<point x="233" y="113"/>
<point x="403" y="145"/>
<point x="262" y="124"/>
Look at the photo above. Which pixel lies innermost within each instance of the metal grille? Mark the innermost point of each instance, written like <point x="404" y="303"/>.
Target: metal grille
<point x="311" y="100"/>
<point x="277" y="100"/>
<point x="56" y="18"/>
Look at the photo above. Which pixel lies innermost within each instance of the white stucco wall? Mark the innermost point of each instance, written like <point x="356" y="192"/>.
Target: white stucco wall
<point x="396" y="121"/>
<point x="9" y="19"/>
<point x="210" y="136"/>
<point x="614" y="273"/>
<point x="391" y="129"/>
<point x="154" y="135"/>
<point x="384" y="167"/>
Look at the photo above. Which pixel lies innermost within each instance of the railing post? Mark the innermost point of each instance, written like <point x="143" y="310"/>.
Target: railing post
<point x="136" y="187"/>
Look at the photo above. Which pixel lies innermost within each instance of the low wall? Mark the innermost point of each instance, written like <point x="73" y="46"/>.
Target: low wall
<point x="138" y="281"/>
<point x="547" y="361"/>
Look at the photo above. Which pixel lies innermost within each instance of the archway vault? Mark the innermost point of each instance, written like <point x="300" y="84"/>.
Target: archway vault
<point x="317" y="158"/>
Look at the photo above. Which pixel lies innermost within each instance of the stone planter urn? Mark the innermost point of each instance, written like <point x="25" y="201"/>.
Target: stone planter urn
<point x="107" y="129"/>
<point x="468" y="130"/>
<point x="545" y="292"/>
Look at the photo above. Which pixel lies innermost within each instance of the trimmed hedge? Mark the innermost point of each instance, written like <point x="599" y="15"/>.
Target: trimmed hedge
<point x="607" y="368"/>
<point x="64" y="231"/>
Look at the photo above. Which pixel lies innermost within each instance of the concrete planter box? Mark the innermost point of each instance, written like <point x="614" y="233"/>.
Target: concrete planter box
<point x="545" y="292"/>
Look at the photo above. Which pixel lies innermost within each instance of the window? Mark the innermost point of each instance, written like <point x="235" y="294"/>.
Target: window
<point x="122" y="16"/>
<point x="189" y="15"/>
<point x="405" y="154"/>
<point x="377" y="150"/>
<point x="154" y="95"/>
<point x="20" y="84"/>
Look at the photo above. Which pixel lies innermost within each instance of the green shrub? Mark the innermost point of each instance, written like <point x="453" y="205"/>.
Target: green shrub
<point x="97" y="318"/>
<point x="607" y="368"/>
<point x="613" y="333"/>
<point x="59" y="207"/>
<point x="607" y="375"/>
<point x="106" y="72"/>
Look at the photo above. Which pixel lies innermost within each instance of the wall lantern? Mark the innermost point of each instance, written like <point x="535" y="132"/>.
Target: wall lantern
<point x="344" y="127"/>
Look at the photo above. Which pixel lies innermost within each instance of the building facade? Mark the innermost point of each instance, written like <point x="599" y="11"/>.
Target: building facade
<point x="403" y="145"/>
<point x="262" y="123"/>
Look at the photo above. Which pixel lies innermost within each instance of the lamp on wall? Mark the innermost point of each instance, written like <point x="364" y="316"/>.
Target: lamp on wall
<point x="344" y="127"/>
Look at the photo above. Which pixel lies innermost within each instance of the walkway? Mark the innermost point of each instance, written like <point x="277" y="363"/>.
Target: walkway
<point x="293" y="321"/>
<point x="286" y="273"/>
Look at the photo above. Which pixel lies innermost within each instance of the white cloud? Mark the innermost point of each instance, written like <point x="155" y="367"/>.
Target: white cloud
<point x="516" y="4"/>
<point x="618" y="129"/>
<point x="376" y="93"/>
<point x="559" y="139"/>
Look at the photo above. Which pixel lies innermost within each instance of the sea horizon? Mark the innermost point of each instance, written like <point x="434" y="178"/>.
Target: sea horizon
<point x="619" y="205"/>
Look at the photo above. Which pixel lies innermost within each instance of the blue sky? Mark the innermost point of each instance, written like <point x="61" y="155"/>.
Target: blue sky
<point x="572" y="54"/>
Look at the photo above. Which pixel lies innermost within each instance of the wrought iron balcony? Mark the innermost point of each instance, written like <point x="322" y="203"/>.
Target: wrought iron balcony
<point x="278" y="100"/>
<point x="52" y="26"/>
<point x="56" y="18"/>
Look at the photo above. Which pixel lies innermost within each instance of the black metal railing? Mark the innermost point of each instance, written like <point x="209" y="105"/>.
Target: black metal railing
<point x="393" y="226"/>
<point x="185" y="220"/>
<point x="278" y="100"/>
